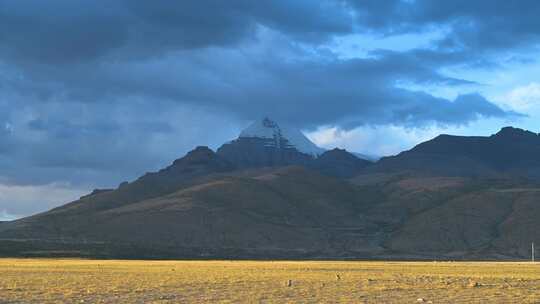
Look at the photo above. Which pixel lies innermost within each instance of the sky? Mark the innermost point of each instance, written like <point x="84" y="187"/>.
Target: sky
<point x="93" y="93"/>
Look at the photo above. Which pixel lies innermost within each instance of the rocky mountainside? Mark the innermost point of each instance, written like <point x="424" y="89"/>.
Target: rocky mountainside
<point x="267" y="144"/>
<point x="511" y="152"/>
<point x="292" y="212"/>
<point x="198" y="163"/>
<point x="449" y="198"/>
<point x="252" y="152"/>
<point x="262" y="213"/>
<point x="339" y="163"/>
<point x="281" y="136"/>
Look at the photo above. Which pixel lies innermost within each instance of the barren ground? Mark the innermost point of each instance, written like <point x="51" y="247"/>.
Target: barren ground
<point x="97" y="281"/>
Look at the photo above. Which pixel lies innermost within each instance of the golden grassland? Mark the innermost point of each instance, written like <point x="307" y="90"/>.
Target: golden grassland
<point x="112" y="281"/>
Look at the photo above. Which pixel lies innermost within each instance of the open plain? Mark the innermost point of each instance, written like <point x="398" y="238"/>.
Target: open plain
<point x="113" y="281"/>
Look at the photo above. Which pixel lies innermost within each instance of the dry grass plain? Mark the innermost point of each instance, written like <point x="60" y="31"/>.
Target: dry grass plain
<point x="97" y="281"/>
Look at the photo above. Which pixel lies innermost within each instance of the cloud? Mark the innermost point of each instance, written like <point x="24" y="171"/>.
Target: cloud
<point x="100" y="145"/>
<point x="64" y="31"/>
<point x="252" y="80"/>
<point x="464" y="109"/>
<point x="16" y="200"/>
<point x="482" y="25"/>
<point x="377" y="141"/>
<point x="524" y="98"/>
<point x="386" y="140"/>
<point x="247" y="58"/>
<point x="488" y="25"/>
<point x="4" y="216"/>
<point x="96" y="93"/>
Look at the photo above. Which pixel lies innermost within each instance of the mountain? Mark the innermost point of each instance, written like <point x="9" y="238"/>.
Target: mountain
<point x="449" y="198"/>
<point x="266" y="144"/>
<point x="339" y="163"/>
<point x="274" y="212"/>
<point x="198" y="163"/>
<point x="292" y="212"/>
<point x="510" y="152"/>
<point x="445" y="217"/>
<point x="371" y="157"/>
<point x="281" y="136"/>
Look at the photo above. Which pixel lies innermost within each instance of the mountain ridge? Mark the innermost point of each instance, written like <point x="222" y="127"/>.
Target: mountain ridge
<point x="509" y="152"/>
<point x="279" y="135"/>
<point x="266" y="144"/>
<point x="446" y="198"/>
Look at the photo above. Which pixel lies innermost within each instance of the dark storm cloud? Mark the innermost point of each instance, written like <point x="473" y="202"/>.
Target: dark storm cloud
<point x="482" y="25"/>
<point x="464" y="108"/>
<point x="100" y="144"/>
<point x="336" y="91"/>
<point x="492" y="25"/>
<point x="67" y="31"/>
<point x="97" y="90"/>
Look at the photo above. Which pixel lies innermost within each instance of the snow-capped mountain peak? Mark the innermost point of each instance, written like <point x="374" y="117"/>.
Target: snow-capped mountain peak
<point x="281" y="136"/>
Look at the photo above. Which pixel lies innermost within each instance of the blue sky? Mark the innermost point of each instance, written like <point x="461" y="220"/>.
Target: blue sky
<point x="512" y="86"/>
<point x="95" y="93"/>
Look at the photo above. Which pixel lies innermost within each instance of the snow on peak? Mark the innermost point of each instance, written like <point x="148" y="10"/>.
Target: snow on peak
<point x="269" y="129"/>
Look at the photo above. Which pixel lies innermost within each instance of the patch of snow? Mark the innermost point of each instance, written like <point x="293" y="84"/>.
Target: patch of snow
<point x="269" y="129"/>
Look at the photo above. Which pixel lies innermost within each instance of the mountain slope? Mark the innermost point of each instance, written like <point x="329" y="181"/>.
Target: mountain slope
<point x="288" y="211"/>
<point x="266" y="144"/>
<point x="510" y="152"/>
<point x="452" y="197"/>
<point x="292" y="212"/>
<point x="339" y="163"/>
<point x="455" y="217"/>
<point x="281" y="136"/>
<point x="197" y="163"/>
